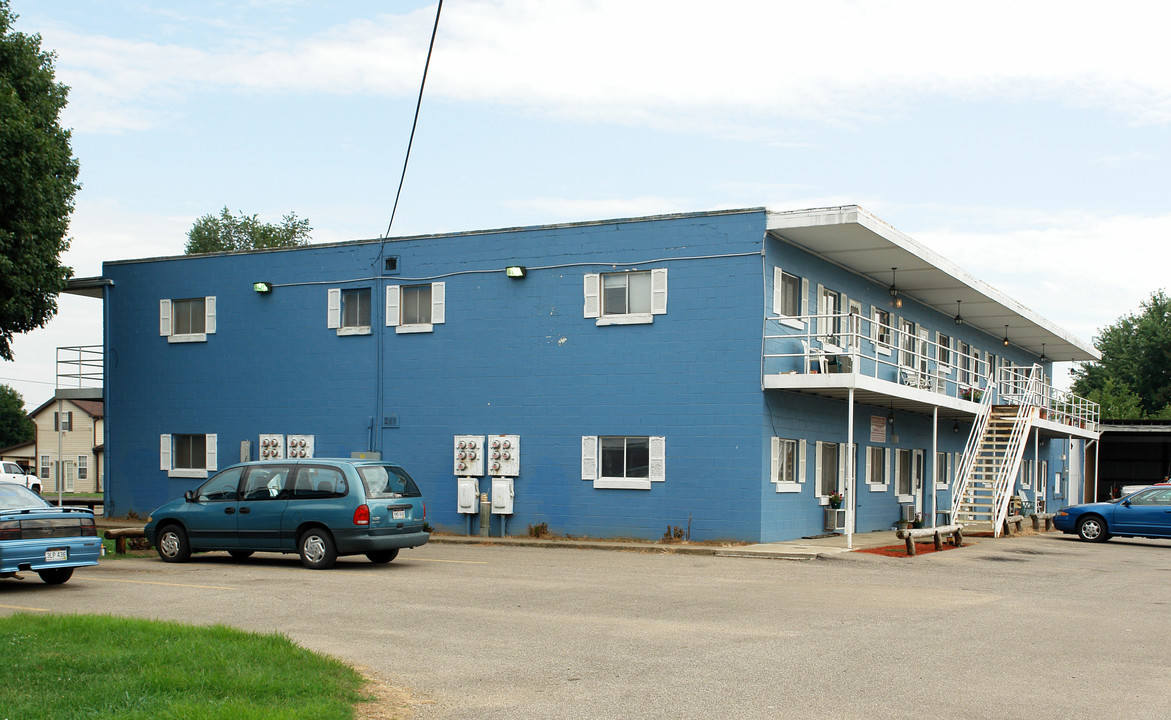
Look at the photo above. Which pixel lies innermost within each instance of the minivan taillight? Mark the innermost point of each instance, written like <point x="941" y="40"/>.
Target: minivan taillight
<point x="424" y="510"/>
<point x="362" y="515"/>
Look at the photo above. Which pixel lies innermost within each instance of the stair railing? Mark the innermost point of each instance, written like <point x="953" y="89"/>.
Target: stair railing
<point x="971" y="449"/>
<point x="1014" y="451"/>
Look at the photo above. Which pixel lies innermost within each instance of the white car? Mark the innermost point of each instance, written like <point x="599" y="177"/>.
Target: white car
<point x="10" y="472"/>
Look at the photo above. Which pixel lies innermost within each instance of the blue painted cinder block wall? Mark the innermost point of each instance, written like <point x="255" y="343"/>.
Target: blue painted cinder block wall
<point x="513" y="356"/>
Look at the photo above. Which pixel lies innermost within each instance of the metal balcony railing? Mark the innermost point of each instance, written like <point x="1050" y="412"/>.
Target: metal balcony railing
<point x="80" y="366"/>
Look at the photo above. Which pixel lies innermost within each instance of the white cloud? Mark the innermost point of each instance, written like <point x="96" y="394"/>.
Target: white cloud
<point x="733" y="68"/>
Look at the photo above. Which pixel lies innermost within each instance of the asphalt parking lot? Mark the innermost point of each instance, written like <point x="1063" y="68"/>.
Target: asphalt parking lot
<point x="1039" y="625"/>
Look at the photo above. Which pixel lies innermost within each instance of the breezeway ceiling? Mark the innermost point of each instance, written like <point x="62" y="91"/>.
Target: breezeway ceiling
<point x="855" y="240"/>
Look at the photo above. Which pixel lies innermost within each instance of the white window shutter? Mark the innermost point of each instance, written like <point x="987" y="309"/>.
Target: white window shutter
<point x="775" y="462"/>
<point x="393" y="292"/>
<point x="868" y="463"/>
<point x="209" y="315"/>
<point x="165" y="319"/>
<point x="873" y="325"/>
<point x="593" y="283"/>
<point x="817" y="466"/>
<point x="886" y="461"/>
<point x="844" y="452"/>
<point x="804" y="296"/>
<point x="658" y="469"/>
<point x="211" y="458"/>
<point x="659" y="291"/>
<point x="800" y="461"/>
<point x="164" y="452"/>
<point x="778" y="295"/>
<point x="438" y="303"/>
<point x="334" y="308"/>
<point x="589" y="457"/>
<point x="822" y="324"/>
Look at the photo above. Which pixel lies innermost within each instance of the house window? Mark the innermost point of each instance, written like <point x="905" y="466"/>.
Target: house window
<point x="829" y="308"/>
<point x="965" y="361"/>
<point x="786" y="294"/>
<point x="416" y="308"/>
<point x="44" y="467"/>
<point x="788" y="458"/>
<point x="348" y="310"/>
<point x="903" y="469"/>
<point x="829" y="468"/>
<point x="63" y="422"/>
<point x="189" y="456"/>
<point x="82" y="467"/>
<point x="877" y="467"/>
<point x="943" y="470"/>
<point x="880" y="330"/>
<point x="907" y="342"/>
<point x="943" y="349"/>
<point x="626" y="298"/>
<point x="1026" y="475"/>
<point x="623" y="462"/>
<point x="187" y="319"/>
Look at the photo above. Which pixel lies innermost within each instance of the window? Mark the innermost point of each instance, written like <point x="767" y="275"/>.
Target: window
<point x="64" y="422"/>
<point x="829" y="469"/>
<point x="788" y="460"/>
<point x="624" y="463"/>
<point x="188" y="319"/>
<point x="82" y="467"/>
<point x="416" y="308"/>
<point x="786" y="294"/>
<point x="44" y="467"/>
<point x="626" y="298"/>
<point x="854" y="325"/>
<point x="1026" y="475"/>
<point x="221" y="488"/>
<point x="965" y="363"/>
<point x="943" y="349"/>
<point x="319" y="482"/>
<point x="907" y="343"/>
<point x="266" y="483"/>
<point x="877" y="468"/>
<point x="189" y="456"/>
<point x="829" y="308"/>
<point x="348" y="310"/>
<point x="880" y="330"/>
<point x="943" y="470"/>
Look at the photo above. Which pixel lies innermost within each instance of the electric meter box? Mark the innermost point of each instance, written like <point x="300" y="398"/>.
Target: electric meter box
<point x="468" y="455"/>
<point x="503" y="455"/>
<point x="300" y="446"/>
<point x="467" y="495"/>
<point x="272" y="446"/>
<point x="502" y="495"/>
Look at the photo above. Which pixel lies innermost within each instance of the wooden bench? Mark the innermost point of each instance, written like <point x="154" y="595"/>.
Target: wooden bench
<point x="1046" y="518"/>
<point x="119" y="536"/>
<point x="1013" y="524"/>
<point x="909" y="534"/>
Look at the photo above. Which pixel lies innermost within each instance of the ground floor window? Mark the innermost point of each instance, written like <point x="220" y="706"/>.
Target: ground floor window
<point x="829" y="468"/>
<point x="44" y="467"/>
<point x="623" y="462"/>
<point x="788" y="460"/>
<point x="183" y="455"/>
<point x="877" y="467"/>
<point x="943" y="470"/>
<point x="82" y="467"/>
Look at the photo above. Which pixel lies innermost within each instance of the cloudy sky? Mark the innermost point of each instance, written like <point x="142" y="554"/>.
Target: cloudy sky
<point x="1026" y="141"/>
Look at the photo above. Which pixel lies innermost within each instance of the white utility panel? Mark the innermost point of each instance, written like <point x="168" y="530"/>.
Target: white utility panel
<point x="502" y="495"/>
<point x="468" y="455"/>
<point x="504" y="455"/>
<point x="467" y="495"/>
<point x="300" y="446"/>
<point x="272" y="446"/>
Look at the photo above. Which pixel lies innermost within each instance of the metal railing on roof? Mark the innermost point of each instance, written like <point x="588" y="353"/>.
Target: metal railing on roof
<point x="80" y="366"/>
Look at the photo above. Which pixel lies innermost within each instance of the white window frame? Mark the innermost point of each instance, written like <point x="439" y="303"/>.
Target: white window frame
<point x="944" y="366"/>
<point x="166" y="327"/>
<point x="46" y="467"/>
<point x="885" y="484"/>
<point x="817" y="470"/>
<point x="83" y="467"/>
<point x="166" y="455"/>
<point x="799" y="450"/>
<point x="829" y="306"/>
<point x="394" y="309"/>
<point x="591" y="464"/>
<point x="898" y="469"/>
<point x="878" y="328"/>
<point x="948" y="470"/>
<point x="334" y="313"/>
<point x="592" y="291"/>
<point x="792" y="320"/>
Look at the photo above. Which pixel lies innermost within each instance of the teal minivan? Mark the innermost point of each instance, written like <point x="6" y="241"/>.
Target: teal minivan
<point x="318" y="508"/>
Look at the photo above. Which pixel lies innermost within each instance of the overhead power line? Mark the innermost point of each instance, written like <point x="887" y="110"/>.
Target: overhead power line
<point x="415" y="124"/>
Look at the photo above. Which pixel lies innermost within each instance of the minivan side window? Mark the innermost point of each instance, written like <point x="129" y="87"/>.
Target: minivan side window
<point x="266" y="483"/>
<point x="319" y="482"/>
<point x="221" y="487"/>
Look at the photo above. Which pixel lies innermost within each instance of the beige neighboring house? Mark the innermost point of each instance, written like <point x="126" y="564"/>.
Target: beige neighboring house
<point x="76" y="427"/>
<point x="23" y="454"/>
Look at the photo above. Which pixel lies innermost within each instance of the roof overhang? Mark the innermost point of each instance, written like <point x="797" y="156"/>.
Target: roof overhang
<point x="88" y="287"/>
<point x="853" y="239"/>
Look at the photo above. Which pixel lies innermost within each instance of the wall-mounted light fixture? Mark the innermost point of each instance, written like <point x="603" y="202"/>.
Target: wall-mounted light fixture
<point x="959" y="320"/>
<point x="894" y="291"/>
<point x="1006" y="336"/>
<point x="516" y="272"/>
<point x="262" y="288"/>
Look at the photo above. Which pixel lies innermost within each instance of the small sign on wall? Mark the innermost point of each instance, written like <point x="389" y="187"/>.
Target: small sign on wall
<point x="877" y="429"/>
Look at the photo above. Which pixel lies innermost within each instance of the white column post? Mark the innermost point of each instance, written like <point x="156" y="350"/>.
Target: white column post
<point x="851" y="463"/>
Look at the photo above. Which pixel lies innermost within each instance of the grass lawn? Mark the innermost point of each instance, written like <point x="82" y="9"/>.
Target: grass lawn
<point x="91" y="666"/>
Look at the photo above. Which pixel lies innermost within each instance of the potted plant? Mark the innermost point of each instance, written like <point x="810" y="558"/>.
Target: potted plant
<point x="835" y="500"/>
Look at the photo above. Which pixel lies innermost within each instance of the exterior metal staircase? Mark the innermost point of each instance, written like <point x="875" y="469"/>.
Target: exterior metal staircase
<point x="993" y="457"/>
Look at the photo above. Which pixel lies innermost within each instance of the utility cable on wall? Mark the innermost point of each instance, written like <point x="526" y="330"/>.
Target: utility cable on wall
<point x="415" y="123"/>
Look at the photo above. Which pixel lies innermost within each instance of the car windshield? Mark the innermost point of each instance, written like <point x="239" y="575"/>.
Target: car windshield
<point x="13" y="497"/>
<point x="387" y="481"/>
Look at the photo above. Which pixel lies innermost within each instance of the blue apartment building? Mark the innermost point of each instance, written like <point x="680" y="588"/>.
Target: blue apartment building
<point x="725" y="372"/>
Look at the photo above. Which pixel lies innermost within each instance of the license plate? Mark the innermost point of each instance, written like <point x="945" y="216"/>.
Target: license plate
<point x="55" y="555"/>
<point x="399" y="514"/>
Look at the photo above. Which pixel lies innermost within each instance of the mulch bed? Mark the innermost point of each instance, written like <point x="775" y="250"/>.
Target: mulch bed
<point x="900" y="550"/>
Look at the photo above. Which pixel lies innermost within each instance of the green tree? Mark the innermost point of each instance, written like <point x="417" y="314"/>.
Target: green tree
<point x="1134" y="374"/>
<point x="226" y="232"/>
<point x="15" y="427"/>
<point x="38" y="179"/>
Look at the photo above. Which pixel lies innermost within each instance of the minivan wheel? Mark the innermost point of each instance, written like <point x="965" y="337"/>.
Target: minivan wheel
<point x="172" y="544"/>
<point x="382" y="556"/>
<point x="317" y="549"/>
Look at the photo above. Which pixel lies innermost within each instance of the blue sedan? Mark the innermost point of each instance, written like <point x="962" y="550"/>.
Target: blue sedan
<point x="38" y="537"/>
<point x="1146" y="513"/>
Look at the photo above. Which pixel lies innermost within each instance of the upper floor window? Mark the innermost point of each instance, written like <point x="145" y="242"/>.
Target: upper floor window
<point x="626" y="298"/>
<point x="786" y="294"/>
<point x="63" y="421"/>
<point x="943" y="348"/>
<point x="416" y="308"/>
<point x="187" y="319"/>
<point x="881" y="330"/>
<point x="348" y="310"/>
<point x="188" y="456"/>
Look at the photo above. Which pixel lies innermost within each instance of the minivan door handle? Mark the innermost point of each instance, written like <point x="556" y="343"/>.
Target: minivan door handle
<point x="229" y="510"/>
<point x="244" y="510"/>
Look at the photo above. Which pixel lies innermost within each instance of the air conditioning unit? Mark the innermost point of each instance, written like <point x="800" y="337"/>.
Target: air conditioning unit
<point x="907" y="513"/>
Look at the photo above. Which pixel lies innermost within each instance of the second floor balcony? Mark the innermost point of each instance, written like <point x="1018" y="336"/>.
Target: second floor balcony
<point x="906" y="369"/>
